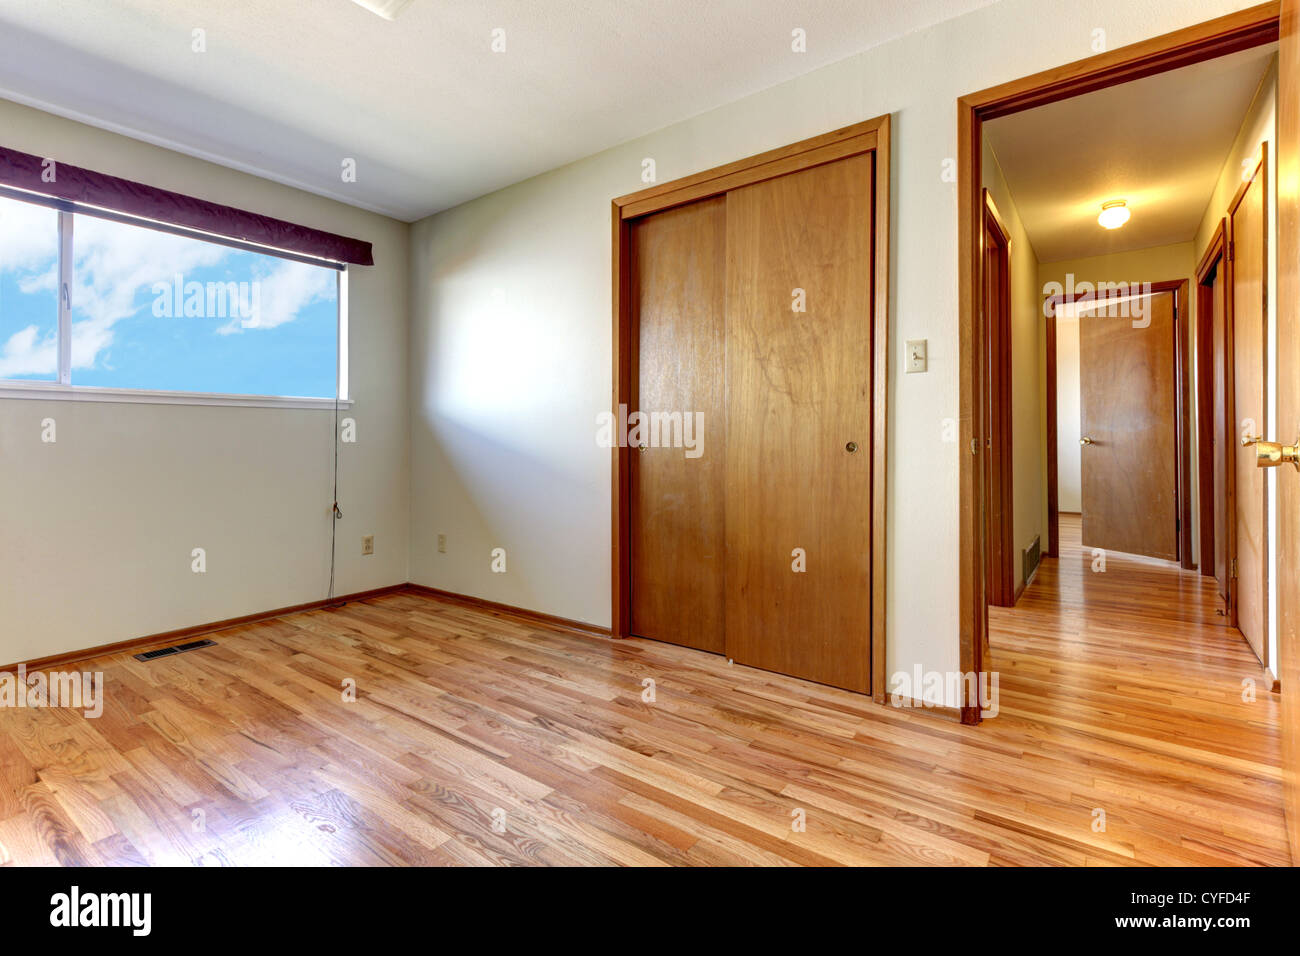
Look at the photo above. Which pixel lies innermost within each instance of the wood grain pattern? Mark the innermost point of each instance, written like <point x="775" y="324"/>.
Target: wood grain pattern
<point x="798" y="391"/>
<point x="1288" y="405"/>
<point x="1247" y="232"/>
<point x="1127" y="399"/>
<point x="461" y="713"/>
<point x="678" y="548"/>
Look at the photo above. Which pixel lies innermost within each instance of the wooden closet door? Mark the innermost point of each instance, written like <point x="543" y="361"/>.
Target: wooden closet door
<point x="677" y="560"/>
<point x="1249" y="264"/>
<point x="798" y="391"/>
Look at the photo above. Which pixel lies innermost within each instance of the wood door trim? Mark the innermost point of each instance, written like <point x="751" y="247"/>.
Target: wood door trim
<point x="1213" y="260"/>
<point x="1002" y="587"/>
<point x="1203" y="41"/>
<point x="871" y="136"/>
<point x="1053" y="462"/>
<point x="837" y="144"/>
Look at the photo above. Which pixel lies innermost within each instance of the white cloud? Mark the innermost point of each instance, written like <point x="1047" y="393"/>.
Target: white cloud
<point x="26" y="352"/>
<point x="284" y="292"/>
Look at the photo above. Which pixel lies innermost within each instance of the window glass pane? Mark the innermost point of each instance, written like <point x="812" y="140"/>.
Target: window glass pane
<point x="29" y="291"/>
<point x="169" y="313"/>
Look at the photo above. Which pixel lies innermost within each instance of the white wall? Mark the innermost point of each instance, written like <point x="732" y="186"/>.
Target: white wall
<point x="96" y="529"/>
<point x="506" y="387"/>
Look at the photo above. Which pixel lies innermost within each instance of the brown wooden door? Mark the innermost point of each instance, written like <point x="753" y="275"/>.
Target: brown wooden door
<point x="1127" y="392"/>
<point x="1249" y="263"/>
<point x="1288" y="407"/>
<point x="798" y="392"/>
<point x="677" y="557"/>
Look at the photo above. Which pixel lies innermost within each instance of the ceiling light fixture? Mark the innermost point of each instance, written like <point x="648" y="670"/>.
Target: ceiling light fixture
<point x="388" y="9"/>
<point x="1114" y="214"/>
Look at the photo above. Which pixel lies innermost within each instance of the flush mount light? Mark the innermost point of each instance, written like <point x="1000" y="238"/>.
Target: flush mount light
<point x="1113" y="214"/>
<point x="388" y="9"/>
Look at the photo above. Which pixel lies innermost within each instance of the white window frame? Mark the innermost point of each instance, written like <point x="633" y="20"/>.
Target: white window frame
<point x="62" y="388"/>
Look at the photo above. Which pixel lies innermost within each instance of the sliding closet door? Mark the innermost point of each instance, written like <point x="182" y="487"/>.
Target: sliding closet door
<point x="677" y="560"/>
<point x="798" y="435"/>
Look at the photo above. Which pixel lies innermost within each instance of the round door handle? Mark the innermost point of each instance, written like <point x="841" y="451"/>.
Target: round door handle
<point x="1085" y="440"/>
<point x="851" y="447"/>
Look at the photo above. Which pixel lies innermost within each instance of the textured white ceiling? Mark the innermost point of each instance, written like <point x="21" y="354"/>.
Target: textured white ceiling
<point x="1159" y="142"/>
<point x="290" y="88"/>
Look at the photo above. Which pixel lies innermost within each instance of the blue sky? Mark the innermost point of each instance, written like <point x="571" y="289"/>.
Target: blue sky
<point x="277" y="337"/>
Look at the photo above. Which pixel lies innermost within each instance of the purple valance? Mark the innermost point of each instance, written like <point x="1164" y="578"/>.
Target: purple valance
<point x="74" y="184"/>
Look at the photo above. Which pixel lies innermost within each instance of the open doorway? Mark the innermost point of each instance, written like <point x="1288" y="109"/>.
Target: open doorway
<point x="1120" y="384"/>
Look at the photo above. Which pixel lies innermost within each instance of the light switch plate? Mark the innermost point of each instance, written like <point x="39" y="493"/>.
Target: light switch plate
<point x="915" y="355"/>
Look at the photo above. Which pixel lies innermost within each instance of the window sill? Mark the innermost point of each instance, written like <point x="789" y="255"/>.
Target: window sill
<point x="51" y="391"/>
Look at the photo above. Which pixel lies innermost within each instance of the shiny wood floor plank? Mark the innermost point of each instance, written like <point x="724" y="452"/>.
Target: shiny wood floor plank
<point x="480" y="740"/>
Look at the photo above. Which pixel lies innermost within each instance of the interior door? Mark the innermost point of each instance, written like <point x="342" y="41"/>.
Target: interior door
<point x="1288" y="405"/>
<point x="676" y="559"/>
<point x="1127" y="408"/>
<point x="799" y="261"/>
<point x="1249" y="262"/>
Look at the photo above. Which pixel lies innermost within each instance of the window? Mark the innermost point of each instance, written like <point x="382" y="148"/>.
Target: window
<point x="161" y="310"/>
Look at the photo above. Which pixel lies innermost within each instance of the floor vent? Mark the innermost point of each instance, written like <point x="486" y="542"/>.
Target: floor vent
<point x="174" y="649"/>
<point x="1032" y="555"/>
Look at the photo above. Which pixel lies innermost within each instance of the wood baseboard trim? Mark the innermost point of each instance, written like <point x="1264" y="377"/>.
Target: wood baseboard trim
<point x="942" y="711"/>
<point x="180" y="634"/>
<point x="1271" y="682"/>
<point x="510" y="611"/>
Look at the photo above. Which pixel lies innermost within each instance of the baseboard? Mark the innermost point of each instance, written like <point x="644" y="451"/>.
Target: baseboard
<point x="941" y="711"/>
<point x="180" y="634"/>
<point x="1271" y="682"/>
<point x="509" y="610"/>
<point x="165" y="638"/>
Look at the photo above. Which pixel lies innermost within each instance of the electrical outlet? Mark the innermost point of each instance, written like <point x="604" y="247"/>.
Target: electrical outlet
<point x="368" y="544"/>
<point x="442" y="544"/>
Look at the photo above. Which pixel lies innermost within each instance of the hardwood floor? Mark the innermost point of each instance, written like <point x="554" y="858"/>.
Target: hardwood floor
<point x="478" y="738"/>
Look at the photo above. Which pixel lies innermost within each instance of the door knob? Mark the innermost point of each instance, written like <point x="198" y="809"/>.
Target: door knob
<point x="1270" y="454"/>
<point x="1248" y="440"/>
<point x="851" y="447"/>
<point x="1085" y="440"/>
<point x="641" y="447"/>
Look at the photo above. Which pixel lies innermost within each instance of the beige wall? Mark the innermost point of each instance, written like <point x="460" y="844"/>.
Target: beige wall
<point x="510" y="358"/>
<point x="1028" y="339"/>
<point x="1259" y="126"/>
<point x="97" y="528"/>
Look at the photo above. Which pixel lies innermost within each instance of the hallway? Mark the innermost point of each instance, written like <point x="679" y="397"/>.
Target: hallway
<point x="1138" y="686"/>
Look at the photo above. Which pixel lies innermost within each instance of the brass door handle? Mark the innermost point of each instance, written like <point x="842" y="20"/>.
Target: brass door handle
<point x="1248" y="440"/>
<point x="851" y="447"/>
<point x="1270" y="454"/>
<point x="1085" y="440"/>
